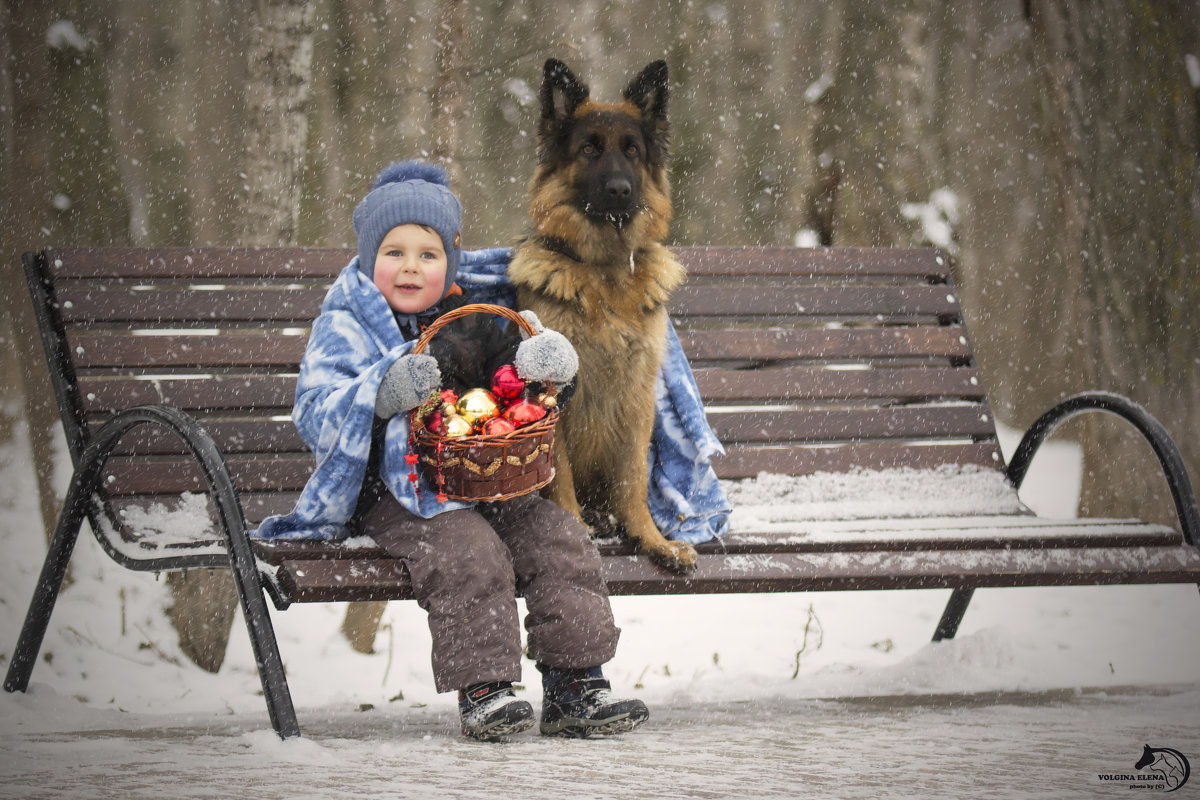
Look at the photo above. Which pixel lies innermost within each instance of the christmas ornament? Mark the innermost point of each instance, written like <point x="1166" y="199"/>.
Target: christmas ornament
<point x="547" y="399"/>
<point x="456" y="426"/>
<point x="523" y="412"/>
<point x="497" y="426"/>
<point x="433" y="422"/>
<point x="478" y="406"/>
<point x="449" y="399"/>
<point x="506" y="384"/>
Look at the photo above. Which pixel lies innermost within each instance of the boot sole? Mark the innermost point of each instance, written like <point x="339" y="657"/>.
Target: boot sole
<point x="514" y="721"/>
<point x="579" y="728"/>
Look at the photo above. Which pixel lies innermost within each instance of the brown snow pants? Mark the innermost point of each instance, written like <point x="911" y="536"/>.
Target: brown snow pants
<point x="467" y="567"/>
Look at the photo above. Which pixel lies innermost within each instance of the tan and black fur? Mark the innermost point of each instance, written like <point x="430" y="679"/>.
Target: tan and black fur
<point x="594" y="268"/>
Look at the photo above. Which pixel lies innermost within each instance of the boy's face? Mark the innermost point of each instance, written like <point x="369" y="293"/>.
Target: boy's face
<point x="410" y="268"/>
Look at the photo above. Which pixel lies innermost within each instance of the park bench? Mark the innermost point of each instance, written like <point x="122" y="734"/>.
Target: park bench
<point x="174" y="370"/>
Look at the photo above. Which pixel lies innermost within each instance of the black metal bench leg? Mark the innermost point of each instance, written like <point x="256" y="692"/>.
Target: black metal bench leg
<point x="262" y="634"/>
<point x="245" y="573"/>
<point x="45" y="594"/>
<point x="953" y="615"/>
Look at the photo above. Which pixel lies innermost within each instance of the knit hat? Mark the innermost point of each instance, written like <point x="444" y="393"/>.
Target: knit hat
<point x="409" y="192"/>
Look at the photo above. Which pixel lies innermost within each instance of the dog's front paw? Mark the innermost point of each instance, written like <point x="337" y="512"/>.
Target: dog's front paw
<point x="678" y="557"/>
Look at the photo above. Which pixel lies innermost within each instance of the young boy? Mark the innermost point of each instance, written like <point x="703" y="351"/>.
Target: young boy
<point x="357" y="383"/>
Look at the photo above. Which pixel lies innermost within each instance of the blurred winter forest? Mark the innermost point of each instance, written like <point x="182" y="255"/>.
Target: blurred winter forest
<point x="1050" y="146"/>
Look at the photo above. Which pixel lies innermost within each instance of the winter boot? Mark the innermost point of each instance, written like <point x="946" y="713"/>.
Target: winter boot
<point x="490" y="711"/>
<point x="579" y="704"/>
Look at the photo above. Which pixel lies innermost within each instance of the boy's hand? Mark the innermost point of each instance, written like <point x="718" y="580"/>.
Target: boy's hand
<point x="547" y="357"/>
<point x="408" y="383"/>
<point x="533" y="321"/>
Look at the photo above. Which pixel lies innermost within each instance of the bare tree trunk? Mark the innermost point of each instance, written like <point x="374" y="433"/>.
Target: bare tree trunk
<point x="1124" y="125"/>
<point x="279" y="71"/>
<point x="24" y="207"/>
<point x="872" y="134"/>
<point x="450" y="88"/>
<point x="213" y="79"/>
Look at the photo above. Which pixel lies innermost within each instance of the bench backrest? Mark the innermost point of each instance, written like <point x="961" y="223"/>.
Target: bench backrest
<point x="809" y="360"/>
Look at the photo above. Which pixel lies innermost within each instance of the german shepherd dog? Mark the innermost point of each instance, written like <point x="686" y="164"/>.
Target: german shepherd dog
<point x="594" y="268"/>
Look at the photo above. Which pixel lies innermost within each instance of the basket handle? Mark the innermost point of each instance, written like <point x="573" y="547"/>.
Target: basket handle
<point x="477" y="308"/>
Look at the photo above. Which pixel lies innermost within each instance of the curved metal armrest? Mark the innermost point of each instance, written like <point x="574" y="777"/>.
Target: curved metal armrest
<point x="207" y="455"/>
<point x="239" y="555"/>
<point x="1164" y="448"/>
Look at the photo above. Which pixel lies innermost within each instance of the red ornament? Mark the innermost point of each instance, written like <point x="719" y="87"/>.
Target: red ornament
<point x="498" y="426"/>
<point x="449" y="396"/>
<point x="506" y="383"/>
<point x="523" y="412"/>
<point x="433" y="422"/>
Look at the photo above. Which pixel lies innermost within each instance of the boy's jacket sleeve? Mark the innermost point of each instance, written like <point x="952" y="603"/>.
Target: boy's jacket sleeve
<point x="352" y="344"/>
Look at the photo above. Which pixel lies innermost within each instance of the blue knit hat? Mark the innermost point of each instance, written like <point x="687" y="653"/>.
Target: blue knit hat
<point x="409" y="192"/>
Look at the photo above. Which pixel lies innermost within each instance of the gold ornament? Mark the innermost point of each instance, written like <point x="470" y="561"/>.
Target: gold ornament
<point x="455" y="426"/>
<point x="547" y="399"/>
<point x="478" y="406"/>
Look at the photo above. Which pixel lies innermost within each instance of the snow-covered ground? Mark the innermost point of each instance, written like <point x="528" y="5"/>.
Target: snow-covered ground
<point x="824" y="694"/>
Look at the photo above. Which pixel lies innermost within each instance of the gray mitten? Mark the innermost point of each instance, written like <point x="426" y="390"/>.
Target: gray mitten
<point x="408" y="382"/>
<point x="547" y="357"/>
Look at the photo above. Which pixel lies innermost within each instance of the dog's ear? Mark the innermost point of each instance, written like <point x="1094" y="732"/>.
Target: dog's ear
<point x="562" y="92"/>
<point x="648" y="91"/>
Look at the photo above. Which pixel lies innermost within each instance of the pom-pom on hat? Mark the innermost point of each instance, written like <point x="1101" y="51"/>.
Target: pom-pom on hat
<point x="409" y="192"/>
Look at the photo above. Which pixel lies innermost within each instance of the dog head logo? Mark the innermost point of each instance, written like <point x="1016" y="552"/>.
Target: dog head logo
<point x="612" y="156"/>
<point x="1168" y="766"/>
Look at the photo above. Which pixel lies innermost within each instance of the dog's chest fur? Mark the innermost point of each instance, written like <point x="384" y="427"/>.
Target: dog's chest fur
<point x="604" y="308"/>
<point x="614" y="316"/>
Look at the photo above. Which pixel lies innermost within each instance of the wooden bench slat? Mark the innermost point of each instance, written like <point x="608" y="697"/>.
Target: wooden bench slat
<point x="852" y="424"/>
<point x="309" y="262"/>
<point x="244" y="435"/>
<point x="263" y="348"/>
<point x="145" y="475"/>
<point x="257" y="506"/>
<point x="300" y="304"/>
<point x="880" y="302"/>
<point x="850" y="571"/>
<point x="188" y="262"/>
<point x="290" y="471"/>
<point x="277" y="434"/>
<point x="104" y="393"/>
<point x="826" y="344"/>
<point x="1020" y="532"/>
<point x="841" y="261"/>
<point x="281" y="347"/>
<point x="785" y="384"/>
<point x="744" y="461"/>
<point x="386" y="579"/>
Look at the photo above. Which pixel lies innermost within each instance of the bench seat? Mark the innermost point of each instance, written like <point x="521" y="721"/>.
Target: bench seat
<point x="943" y="553"/>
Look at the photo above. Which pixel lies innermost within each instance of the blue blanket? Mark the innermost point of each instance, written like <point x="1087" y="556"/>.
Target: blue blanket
<point x="356" y="339"/>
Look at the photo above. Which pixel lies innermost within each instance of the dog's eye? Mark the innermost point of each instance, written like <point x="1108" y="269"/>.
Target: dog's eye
<point x="631" y="150"/>
<point x="589" y="149"/>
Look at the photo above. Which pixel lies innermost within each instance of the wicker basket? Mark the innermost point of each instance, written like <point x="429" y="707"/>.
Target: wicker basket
<point x="485" y="467"/>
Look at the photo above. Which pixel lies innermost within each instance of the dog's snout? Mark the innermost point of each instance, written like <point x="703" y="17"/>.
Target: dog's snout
<point x="619" y="188"/>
